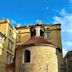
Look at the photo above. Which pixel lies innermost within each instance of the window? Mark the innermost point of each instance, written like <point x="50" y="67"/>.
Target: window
<point x="0" y="51"/>
<point x="18" y="38"/>
<point x="27" y="56"/>
<point x="11" y="33"/>
<point x="9" y="58"/>
<point x="48" y="36"/>
<point x="41" y="33"/>
<point x="1" y="38"/>
<point x="33" y="33"/>
<point x="10" y="45"/>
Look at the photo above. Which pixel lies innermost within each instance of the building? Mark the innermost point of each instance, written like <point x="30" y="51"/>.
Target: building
<point x="7" y="43"/>
<point x="44" y="38"/>
<point x="63" y="69"/>
<point x="37" y="54"/>
<point x="2" y="37"/>
<point x="68" y="61"/>
<point x="52" y="33"/>
<point x="36" y="50"/>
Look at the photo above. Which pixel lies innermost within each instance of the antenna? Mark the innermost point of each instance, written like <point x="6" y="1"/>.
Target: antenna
<point x="18" y="25"/>
<point x="39" y="22"/>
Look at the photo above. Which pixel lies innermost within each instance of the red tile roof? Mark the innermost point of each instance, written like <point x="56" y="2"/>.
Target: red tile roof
<point x="37" y="40"/>
<point x="33" y="41"/>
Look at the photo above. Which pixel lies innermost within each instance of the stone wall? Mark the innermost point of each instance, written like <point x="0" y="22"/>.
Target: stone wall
<point x="43" y="58"/>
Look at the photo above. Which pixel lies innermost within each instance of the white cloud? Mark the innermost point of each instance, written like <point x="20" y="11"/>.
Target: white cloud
<point x="63" y="12"/>
<point x="65" y="19"/>
<point x="67" y="44"/>
<point x="39" y="21"/>
<point x="64" y="52"/>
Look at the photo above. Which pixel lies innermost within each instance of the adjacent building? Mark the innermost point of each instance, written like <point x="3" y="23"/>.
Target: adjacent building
<point x="2" y="37"/>
<point x="7" y="43"/>
<point x="31" y="48"/>
<point x="52" y="32"/>
<point x="68" y="61"/>
<point x="37" y="54"/>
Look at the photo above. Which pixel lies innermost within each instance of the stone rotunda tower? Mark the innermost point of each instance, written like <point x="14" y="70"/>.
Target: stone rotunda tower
<point x="37" y="54"/>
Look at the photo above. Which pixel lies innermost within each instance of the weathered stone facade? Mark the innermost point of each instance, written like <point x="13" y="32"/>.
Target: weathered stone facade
<point x="37" y="54"/>
<point x="43" y="58"/>
<point x="53" y="29"/>
<point x="68" y="61"/>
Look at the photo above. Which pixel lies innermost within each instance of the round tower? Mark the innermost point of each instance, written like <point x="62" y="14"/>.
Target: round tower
<point x="37" y="54"/>
<point x="37" y="31"/>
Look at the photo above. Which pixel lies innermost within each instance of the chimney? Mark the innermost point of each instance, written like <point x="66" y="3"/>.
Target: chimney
<point x="39" y="22"/>
<point x="18" y="25"/>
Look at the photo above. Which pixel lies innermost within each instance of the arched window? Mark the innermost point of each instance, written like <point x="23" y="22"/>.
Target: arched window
<point x="27" y="56"/>
<point x="33" y="33"/>
<point x="41" y="33"/>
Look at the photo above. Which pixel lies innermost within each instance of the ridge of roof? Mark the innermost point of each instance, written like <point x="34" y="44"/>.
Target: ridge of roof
<point x="38" y="24"/>
<point x="34" y="40"/>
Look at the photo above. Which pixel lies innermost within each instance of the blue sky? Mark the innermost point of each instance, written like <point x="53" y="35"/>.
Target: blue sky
<point x="25" y="12"/>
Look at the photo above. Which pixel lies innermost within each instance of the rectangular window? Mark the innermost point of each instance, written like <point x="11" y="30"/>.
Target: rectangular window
<point x="41" y="33"/>
<point x="48" y="36"/>
<point x="1" y="38"/>
<point x="11" y="33"/>
<point x="18" y="38"/>
<point x="10" y="45"/>
<point x="9" y="58"/>
<point x="27" y="56"/>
